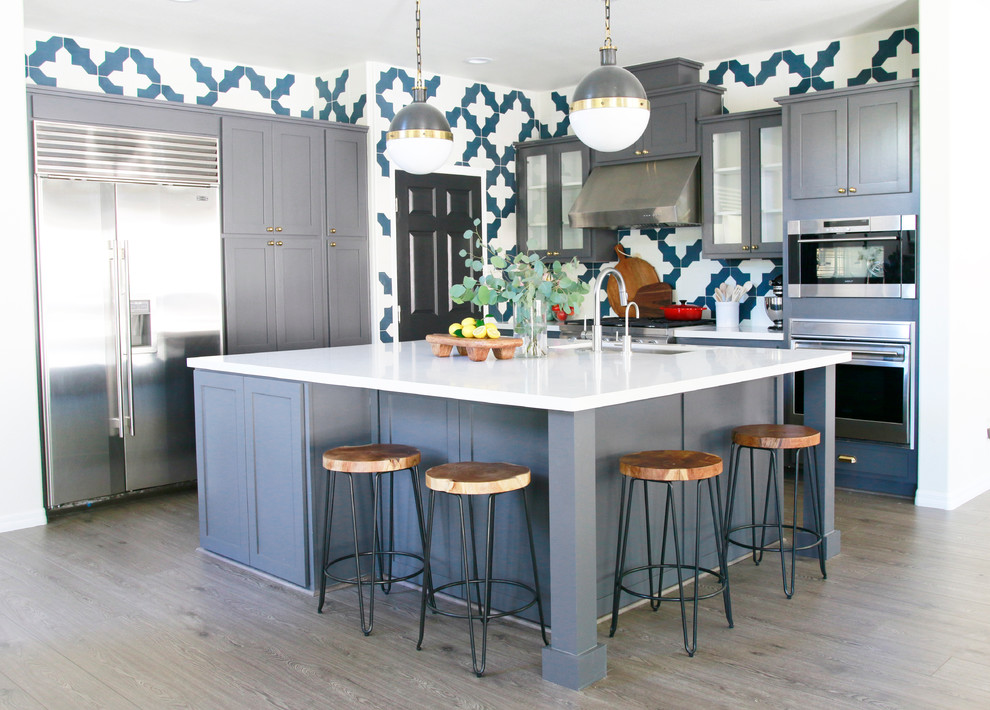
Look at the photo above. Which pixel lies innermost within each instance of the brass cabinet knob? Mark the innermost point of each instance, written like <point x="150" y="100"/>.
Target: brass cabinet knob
<point x="852" y="189"/>
<point x="271" y="243"/>
<point x="333" y="244"/>
<point x="847" y="459"/>
<point x="639" y="152"/>
<point x="333" y="231"/>
<point x="645" y="152"/>
<point x="745" y="247"/>
<point x="271" y="229"/>
<point x="278" y="244"/>
<point x="755" y="247"/>
<point x="278" y="229"/>
<point x="842" y="190"/>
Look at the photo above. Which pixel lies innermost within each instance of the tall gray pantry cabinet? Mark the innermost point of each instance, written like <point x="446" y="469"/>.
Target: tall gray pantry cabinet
<point x="295" y="234"/>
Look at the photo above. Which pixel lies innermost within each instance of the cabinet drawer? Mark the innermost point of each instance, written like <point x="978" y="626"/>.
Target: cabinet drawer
<point x="869" y="466"/>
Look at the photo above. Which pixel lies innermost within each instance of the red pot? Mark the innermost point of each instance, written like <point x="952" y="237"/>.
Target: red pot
<point x="683" y="312"/>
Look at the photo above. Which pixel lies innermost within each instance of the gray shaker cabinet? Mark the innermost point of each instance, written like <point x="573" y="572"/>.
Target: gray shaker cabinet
<point x="742" y="185"/>
<point x="272" y="177"/>
<point x="850" y="142"/>
<point x="252" y="498"/>
<point x="275" y="293"/>
<point x="349" y="290"/>
<point x="347" y="241"/>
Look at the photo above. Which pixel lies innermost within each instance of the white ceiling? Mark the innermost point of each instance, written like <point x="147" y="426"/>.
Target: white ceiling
<point x="535" y="44"/>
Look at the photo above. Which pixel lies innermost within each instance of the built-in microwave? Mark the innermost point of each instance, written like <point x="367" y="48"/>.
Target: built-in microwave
<point x="861" y="257"/>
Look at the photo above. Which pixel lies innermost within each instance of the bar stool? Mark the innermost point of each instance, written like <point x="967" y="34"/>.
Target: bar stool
<point x="775" y="438"/>
<point x="469" y="479"/>
<point x="670" y="467"/>
<point x="375" y="459"/>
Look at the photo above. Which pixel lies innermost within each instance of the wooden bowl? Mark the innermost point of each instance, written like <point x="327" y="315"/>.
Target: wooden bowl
<point x="476" y="349"/>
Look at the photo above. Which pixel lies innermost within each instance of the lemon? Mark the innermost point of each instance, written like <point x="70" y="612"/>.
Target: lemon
<point x="480" y="331"/>
<point x="468" y="323"/>
<point x="491" y="331"/>
<point x="454" y="327"/>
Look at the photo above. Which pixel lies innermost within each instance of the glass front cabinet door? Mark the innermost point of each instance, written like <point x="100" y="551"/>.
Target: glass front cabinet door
<point x="742" y="188"/>
<point x="549" y="176"/>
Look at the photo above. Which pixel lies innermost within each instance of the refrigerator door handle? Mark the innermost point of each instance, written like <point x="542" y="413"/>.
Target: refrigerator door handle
<point x="118" y="421"/>
<point x="130" y="350"/>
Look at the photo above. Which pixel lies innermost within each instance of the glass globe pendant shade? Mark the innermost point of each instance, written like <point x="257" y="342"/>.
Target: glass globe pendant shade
<point x="609" y="110"/>
<point x="419" y="139"/>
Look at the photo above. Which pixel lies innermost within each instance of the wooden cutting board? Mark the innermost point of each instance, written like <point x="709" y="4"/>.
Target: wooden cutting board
<point x="651" y="299"/>
<point x="636" y="272"/>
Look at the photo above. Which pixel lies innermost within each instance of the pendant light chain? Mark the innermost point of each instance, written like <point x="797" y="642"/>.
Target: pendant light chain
<point x="419" y="52"/>
<point x="608" y="24"/>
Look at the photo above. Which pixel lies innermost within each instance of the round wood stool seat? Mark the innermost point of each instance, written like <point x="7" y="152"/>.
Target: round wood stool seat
<point x="670" y="465"/>
<point x="776" y="436"/>
<point x="371" y="458"/>
<point x="474" y="478"/>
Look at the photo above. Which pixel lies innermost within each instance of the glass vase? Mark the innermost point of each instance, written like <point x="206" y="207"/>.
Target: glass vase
<point x="531" y="326"/>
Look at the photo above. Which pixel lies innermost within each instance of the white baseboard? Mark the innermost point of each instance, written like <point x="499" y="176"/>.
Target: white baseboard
<point x="26" y="519"/>
<point x="948" y="501"/>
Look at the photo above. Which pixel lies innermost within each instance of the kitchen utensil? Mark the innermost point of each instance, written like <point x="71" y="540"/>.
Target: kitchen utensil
<point x="652" y="298"/>
<point x="775" y="311"/>
<point x="636" y="272"/>
<point x="727" y="315"/>
<point x="684" y="311"/>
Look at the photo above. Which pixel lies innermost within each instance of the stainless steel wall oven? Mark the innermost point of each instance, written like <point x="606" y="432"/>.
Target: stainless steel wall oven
<point x="874" y="392"/>
<point x="862" y="257"/>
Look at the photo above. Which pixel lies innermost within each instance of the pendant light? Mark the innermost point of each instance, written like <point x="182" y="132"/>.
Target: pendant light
<point x="419" y="138"/>
<point x="609" y="110"/>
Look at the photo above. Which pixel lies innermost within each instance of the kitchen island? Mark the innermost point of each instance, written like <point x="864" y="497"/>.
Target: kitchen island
<point x="264" y="419"/>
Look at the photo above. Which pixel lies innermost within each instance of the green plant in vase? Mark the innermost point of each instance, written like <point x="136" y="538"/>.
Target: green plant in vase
<point x="522" y="279"/>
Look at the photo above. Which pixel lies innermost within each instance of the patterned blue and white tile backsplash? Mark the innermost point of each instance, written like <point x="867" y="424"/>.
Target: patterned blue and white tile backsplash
<point x="485" y="119"/>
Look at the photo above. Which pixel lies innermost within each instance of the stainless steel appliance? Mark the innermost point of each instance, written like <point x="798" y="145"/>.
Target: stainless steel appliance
<point x="129" y="286"/>
<point x="862" y="257"/>
<point x="774" y="304"/>
<point x="874" y="393"/>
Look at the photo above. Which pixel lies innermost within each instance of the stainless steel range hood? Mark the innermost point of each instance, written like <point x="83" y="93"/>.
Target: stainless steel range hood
<point x="645" y="194"/>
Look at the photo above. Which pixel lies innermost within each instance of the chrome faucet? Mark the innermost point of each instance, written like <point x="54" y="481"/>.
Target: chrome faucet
<point x="596" y="331"/>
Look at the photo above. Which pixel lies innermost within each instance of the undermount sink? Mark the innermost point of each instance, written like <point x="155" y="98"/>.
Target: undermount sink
<point x="616" y="346"/>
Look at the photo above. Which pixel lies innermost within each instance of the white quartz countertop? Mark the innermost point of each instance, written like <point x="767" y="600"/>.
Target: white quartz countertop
<point x="568" y="379"/>
<point x="745" y="331"/>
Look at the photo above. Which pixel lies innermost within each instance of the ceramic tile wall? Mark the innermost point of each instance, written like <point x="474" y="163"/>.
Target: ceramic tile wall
<point x="485" y="119"/>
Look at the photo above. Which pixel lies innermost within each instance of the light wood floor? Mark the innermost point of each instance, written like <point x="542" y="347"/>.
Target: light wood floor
<point x="114" y="608"/>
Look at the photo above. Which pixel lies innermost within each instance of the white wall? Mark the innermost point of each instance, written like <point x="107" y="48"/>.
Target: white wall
<point x="954" y="396"/>
<point x="20" y="448"/>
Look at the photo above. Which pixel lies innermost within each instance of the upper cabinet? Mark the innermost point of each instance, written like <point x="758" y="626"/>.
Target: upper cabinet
<point x="549" y="176"/>
<point x="272" y="177"/>
<point x="673" y="128"/>
<point x="742" y="185"/>
<point x="850" y="142"/>
<point x="347" y="182"/>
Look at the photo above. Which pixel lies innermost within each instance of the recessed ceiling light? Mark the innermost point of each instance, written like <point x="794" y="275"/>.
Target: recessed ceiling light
<point x="479" y="60"/>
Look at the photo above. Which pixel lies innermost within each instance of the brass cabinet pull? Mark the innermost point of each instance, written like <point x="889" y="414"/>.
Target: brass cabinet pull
<point x="278" y="229"/>
<point x="645" y="152"/>
<point x="847" y="459"/>
<point x="333" y="231"/>
<point x="852" y="189"/>
<point x="842" y="190"/>
<point x="271" y="243"/>
<point x="333" y="244"/>
<point x="271" y="229"/>
<point x="278" y="244"/>
<point x="745" y="247"/>
<point x="755" y="247"/>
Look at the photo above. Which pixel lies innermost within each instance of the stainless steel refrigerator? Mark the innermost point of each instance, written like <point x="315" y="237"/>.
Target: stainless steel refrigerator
<point x="129" y="286"/>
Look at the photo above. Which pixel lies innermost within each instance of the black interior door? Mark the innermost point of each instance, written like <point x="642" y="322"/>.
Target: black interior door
<point x="432" y="212"/>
